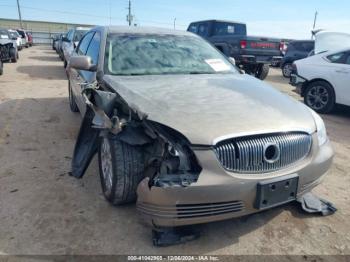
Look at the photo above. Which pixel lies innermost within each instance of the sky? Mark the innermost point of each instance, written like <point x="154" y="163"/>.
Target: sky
<point x="275" y="18"/>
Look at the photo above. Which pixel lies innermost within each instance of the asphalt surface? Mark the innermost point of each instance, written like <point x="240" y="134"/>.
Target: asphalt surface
<point x="44" y="211"/>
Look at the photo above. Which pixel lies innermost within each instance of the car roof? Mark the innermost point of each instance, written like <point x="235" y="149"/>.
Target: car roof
<point x="330" y="52"/>
<point x="219" y="21"/>
<point x="141" y="30"/>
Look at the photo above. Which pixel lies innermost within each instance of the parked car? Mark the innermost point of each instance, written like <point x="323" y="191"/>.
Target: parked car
<point x="59" y="46"/>
<point x="24" y="37"/>
<point x="323" y="79"/>
<point x="8" y="47"/>
<point x="252" y="53"/>
<point x="55" y="38"/>
<point x="296" y="50"/>
<point x="176" y="125"/>
<point x="1" y="65"/>
<point x="30" y="38"/>
<point x="71" y="41"/>
<point x="15" y="35"/>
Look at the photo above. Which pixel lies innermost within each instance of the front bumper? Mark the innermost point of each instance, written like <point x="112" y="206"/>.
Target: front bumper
<point x="220" y="195"/>
<point x="263" y="59"/>
<point x="298" y="82"/>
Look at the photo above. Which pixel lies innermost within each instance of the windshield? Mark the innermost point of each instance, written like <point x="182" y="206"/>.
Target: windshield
<point x="163" y="54"/>
<point x="79" y="35"/>
<point x="4" y="34"/>
<point x="13" y="34"/>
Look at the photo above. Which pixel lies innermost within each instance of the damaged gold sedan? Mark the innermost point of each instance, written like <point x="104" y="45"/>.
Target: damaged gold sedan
<point x="193" y="139"/>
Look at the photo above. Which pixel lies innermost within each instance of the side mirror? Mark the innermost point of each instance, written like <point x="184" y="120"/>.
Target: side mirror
<point x="232" y="60"/>
<point x="81" y="62"/>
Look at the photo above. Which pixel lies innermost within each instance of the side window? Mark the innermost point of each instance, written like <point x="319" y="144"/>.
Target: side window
<point x="203" y="29"/>
<point x="347" y="61"/>
<point x="94" y="48"/>
<point x="193" y="28"/>
<point x="84" y="43"/>
<point x="338" y="58"/>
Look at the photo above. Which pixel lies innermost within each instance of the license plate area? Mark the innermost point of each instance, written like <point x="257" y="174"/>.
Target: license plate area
<point x="276" y="191"/>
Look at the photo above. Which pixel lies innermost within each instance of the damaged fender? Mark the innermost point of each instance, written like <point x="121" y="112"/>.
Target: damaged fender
<point x="100" y="104"/>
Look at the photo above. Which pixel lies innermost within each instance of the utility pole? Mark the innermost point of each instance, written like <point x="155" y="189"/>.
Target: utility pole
<point x="175" y="23"/>
<point x="313" y="28"/>
<point x="129" y="17"/>
<point x="19" y="14"/>
<point x="315" y="19"/>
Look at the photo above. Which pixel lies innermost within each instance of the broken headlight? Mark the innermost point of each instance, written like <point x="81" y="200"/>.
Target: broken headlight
<point x="320" y="128"/>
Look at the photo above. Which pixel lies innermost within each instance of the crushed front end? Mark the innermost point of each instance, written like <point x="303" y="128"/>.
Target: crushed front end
<point x="238" y="176"/>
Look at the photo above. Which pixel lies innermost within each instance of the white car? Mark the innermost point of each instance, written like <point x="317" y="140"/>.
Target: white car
<point x="323" y="79"/>
<point x="15" y="36"/>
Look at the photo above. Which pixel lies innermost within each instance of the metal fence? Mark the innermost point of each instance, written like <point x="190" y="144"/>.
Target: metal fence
<point x="43" y="38"/>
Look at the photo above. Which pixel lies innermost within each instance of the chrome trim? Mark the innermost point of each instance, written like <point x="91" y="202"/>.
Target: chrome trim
<point x="247" y="154"/>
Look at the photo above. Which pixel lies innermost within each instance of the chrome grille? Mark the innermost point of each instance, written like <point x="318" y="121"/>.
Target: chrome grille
<point x="248" y="154"/>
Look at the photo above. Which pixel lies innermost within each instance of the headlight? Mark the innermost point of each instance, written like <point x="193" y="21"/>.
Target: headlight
<point x="321" y="128"/>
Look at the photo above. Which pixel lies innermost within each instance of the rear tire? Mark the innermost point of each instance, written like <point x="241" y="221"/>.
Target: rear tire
<point x="1" y="68"/>
<point x="72" y="104"/>
<point x="121" y="169"/>
<point x="262" y="71"/>
<point x="320" y="97"/>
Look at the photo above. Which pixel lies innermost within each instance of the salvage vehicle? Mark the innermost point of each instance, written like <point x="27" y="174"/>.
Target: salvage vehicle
<point x="70" y="42"/>
<point x="8" y="47"/>
<point x="179" y="128"/>
<point x="1" y="66"/>
<point x="323" y="79"/>
<point x="296" y="50"/>
<point x="253" y="54"/>
<point x="24" y="37"/>
<point x="15" y="35"/>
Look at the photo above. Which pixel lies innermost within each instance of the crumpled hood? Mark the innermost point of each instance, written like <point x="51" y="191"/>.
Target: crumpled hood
<point x="209" y="108"/>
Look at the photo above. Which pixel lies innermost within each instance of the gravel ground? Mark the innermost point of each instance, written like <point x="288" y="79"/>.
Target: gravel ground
<point x="44" y="211"/>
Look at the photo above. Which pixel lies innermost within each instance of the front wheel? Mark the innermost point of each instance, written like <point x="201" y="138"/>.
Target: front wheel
<point x="287" y="70"/>
<point x="121" y="169"/>
<point x="72" y="104"/>
<point x="320" y="97"/>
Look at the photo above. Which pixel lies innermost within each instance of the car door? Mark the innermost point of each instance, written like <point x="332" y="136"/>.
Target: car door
<point x="341" y="76"/>
<point x="88" y="77"/>
<point x="75" y="75"/>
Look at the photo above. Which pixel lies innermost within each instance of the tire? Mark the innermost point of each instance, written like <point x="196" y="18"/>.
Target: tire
<point x="262" y="71"/>
<point x="287" y="70"/>
<point x="1" y="68"/>
<point x="72" y="104"/>
<point x="65" y="64"/>
<point x="121" y="168"/>
<point x="320" y="97"/>
<point x="13" y="55"/>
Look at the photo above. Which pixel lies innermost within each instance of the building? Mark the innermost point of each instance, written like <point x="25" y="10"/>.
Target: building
<point x="42" y="31"/>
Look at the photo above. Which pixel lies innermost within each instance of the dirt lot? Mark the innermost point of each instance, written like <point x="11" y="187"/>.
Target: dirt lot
<point x="45" y="211"/>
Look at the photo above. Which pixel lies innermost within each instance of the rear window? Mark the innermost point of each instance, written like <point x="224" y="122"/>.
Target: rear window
<point x="229" y="29"/>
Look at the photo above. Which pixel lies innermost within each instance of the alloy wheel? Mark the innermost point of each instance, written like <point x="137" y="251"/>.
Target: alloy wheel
<point x="317" y="97"/>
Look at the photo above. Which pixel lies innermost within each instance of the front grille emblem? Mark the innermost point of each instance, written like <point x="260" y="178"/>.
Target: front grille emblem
<point x="272" y="153"/>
